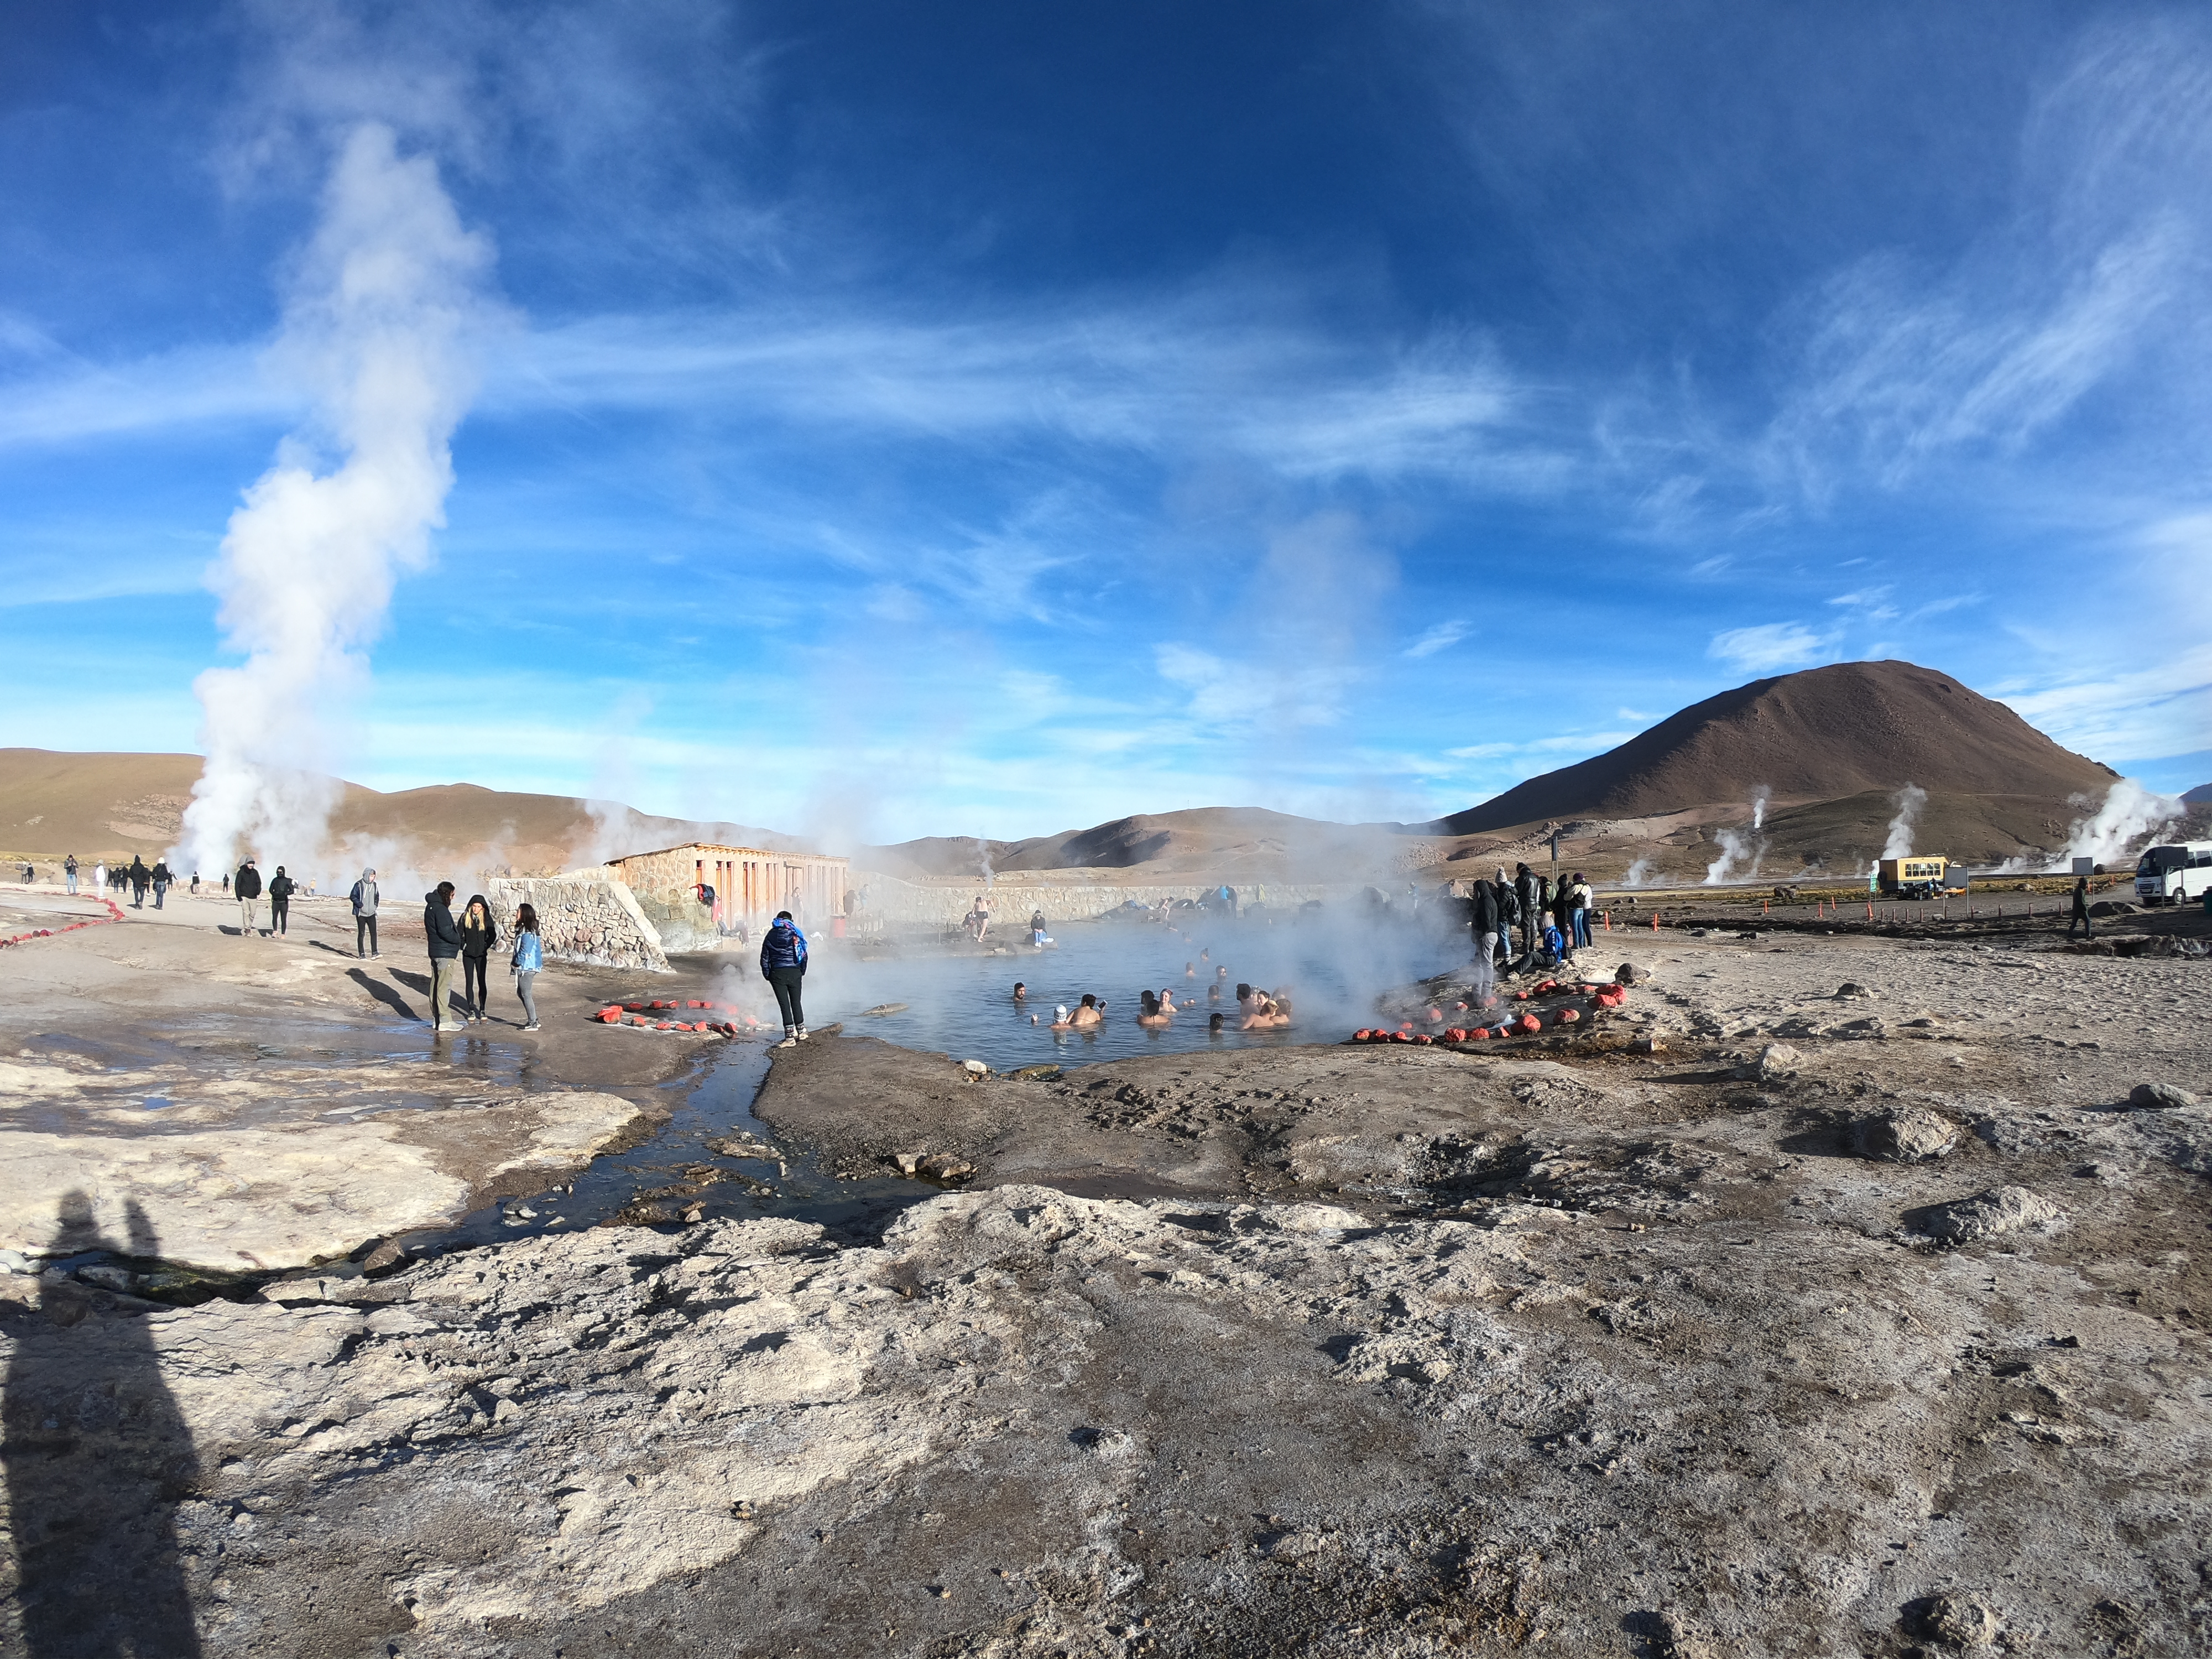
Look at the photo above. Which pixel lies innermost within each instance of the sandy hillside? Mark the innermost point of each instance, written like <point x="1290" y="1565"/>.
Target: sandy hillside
<point x="100" y="806"/>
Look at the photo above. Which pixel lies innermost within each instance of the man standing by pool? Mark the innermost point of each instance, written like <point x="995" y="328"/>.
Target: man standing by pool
<point x="783" y="965"/>
<point x="445" y="936"/>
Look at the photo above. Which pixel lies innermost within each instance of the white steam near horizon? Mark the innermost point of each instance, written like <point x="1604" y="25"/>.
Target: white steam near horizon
<point x="377" y="329"/>
<point x="2128" y="813"/>
<point x="1909" y="801"/>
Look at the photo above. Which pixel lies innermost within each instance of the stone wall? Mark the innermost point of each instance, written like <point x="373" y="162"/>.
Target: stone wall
<point x="897" y="904"/>
<point x="584" y="916"/>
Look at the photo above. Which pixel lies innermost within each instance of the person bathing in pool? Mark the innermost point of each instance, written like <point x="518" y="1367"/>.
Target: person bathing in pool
<point x="1084" y="1017"/>
<point x="1149" y="1012"/>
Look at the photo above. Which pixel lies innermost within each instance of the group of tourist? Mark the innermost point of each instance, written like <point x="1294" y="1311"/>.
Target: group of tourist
<point x="1553" y="920"/>
<point x="137" y="879"/>
<point x="462" y="946"/>
<point x="1256" y="1010"/>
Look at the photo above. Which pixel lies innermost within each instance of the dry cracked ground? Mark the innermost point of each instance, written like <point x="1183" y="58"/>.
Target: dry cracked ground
<point x="1845" y="1323"/>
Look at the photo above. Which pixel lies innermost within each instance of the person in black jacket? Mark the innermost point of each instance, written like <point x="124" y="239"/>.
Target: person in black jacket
<point x="478" y="934"/>
<point x="783" y="965"/>
<point x="1528" y="891"/>
<point x="141" y="877"/>
<point x="163" y="881"/>
<point x="246" y="888"/>
<point x="2080" y="918"/>
<point x="444" y="934"/>
<point x="281" y="888"/>
<point x="1483" y="921"/>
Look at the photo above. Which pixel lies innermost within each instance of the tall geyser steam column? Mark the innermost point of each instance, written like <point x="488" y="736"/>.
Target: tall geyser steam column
<point x="377" y="329"/>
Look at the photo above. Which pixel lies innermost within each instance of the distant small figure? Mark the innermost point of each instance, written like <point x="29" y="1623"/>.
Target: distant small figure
<point x="1190" y="970"/>
<point x="226" y="883"/>
<point x="1207" y="956"/>
<point x="364" y="897"/>
<point x="68" y="872"/>
<point x="246" y="886"/>
<point x="195" y="884"/>
<point x="1213" y="992"/>
<point x="2080" y="918"/>
<point x="281" y="888"/>
<point x="100" y="878"/>
<point x="528" y="959"/>
<point x="163" y="881"/>
<point x="140" y="878"/>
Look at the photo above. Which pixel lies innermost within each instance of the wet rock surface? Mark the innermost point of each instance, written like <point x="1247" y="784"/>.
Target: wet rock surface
<point x="1322" y="1350"/>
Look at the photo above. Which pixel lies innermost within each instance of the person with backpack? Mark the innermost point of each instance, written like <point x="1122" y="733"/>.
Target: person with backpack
<point x="364" y="914"/>
<point x="1579" y="898"/>
<point x="163" y="881"/>
<point x="479" y="933"/>
<point x="138" y="876"/>
<point x="783" y="965"/>
<point x="444" y="936"/>
<point x="281" y="888"/>
<point x="247" y="888"/>
<point x="528" y="959"/>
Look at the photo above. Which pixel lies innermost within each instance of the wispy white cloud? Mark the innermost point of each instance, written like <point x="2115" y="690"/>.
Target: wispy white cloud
<point x="1443" y="634"/>
<point x="2137" y="713"/>
<point x="1768" y="646"/>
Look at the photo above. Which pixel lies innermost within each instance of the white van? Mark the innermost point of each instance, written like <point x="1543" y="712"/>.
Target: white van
<point x="2174" y="874"/>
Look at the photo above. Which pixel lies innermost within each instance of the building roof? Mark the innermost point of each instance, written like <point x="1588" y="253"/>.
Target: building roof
<point x="717" y="847"/>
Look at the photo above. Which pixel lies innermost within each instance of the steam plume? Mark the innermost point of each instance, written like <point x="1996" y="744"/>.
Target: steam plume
<point x="1760" y="794"/>
<point x="385" y="293"/>
<point x="1910" y="799"/>
<point x="2129" y="812"/>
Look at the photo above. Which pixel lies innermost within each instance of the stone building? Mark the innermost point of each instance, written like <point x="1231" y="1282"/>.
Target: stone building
<point x="749" y="885"/>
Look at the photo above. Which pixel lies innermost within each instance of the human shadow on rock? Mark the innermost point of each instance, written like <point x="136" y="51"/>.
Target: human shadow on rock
<point x="384" y="994"/>
<point x="98" y="1457"/>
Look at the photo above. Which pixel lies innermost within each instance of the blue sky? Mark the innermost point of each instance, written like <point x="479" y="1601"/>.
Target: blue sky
<point x="897" y="420"/>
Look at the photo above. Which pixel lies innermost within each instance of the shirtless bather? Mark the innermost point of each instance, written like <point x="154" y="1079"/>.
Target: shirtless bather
<point x="1082" y="1018"/>
<point x="1149" y="1012"/>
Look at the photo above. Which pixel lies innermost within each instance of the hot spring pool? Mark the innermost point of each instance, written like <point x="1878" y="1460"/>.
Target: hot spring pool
<point x="1332" y="968"/>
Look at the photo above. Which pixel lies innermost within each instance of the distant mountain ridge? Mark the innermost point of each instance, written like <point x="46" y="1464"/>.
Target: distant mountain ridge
<point x="1821" y="734"/>
<point x="96" y="806"/>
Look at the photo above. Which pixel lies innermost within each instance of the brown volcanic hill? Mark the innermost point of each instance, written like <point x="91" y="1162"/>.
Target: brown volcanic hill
<point x="1827" y="732"/>
<point x="99" y="805"/>
<point x="1248" y="843"/>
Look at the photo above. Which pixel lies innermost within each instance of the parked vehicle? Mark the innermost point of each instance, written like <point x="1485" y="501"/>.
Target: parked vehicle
<point x="1913" y="877"/>
<point x="2174" y="874"/>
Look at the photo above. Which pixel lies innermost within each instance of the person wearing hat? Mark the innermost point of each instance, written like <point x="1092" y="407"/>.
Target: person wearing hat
<point x="281" y="888"/>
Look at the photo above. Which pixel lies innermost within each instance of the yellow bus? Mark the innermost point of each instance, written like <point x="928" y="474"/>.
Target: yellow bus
<point x="1916" y="876"/>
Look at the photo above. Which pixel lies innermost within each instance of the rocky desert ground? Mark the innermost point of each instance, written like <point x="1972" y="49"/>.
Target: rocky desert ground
<point x="1857" y="1304"/>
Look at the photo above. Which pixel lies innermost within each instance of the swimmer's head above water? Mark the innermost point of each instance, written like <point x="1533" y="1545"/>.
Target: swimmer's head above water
<point x="1021" y="991"/>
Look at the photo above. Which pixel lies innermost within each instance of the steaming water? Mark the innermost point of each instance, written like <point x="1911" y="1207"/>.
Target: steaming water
<point x="962" y="1005"/>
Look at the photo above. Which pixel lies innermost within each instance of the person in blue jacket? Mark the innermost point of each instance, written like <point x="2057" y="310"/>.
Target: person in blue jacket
<point x="528" y="959"/>
<point x="783" y="965"/>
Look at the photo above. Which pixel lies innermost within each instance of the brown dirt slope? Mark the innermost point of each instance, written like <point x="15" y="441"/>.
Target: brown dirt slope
<point x="1244" y="841"/>
<point x="99" y="804"/>
<point x="1820" y="735"/>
